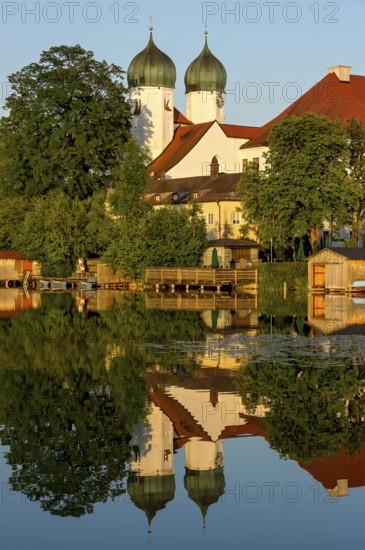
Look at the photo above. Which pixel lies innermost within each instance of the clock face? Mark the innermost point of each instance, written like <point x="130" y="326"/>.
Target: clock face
<point x="220" y="100"/>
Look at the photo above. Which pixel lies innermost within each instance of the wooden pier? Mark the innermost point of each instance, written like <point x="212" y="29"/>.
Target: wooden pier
<point x="200" y="302"/>
<point x="202" y="279"/>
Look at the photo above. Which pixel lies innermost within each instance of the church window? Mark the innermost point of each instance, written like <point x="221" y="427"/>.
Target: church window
<point x="244" y="165"/>
<point x="137" y="107"/>
<point x="256" y="162"/>
<point x="214" y="167"/>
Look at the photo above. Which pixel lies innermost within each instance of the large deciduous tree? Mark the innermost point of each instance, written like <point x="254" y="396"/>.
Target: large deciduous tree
<point x="356" y="143"/>
<point x="304" y="183"/>
<point x="68" y="120"/>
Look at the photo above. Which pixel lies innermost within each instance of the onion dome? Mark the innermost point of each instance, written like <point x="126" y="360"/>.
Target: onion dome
<point x="151" y="67"/>
<point x="206" y="73"/>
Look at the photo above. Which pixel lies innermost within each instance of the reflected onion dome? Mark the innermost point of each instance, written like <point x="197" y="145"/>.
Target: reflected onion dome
<point x="206" y="73"/>
<point x="151" y="493"/>
<point x="151" y="67"/>
<point x="204" y="487"/>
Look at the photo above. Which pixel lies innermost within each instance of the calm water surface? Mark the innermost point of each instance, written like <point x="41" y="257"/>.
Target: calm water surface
<point x="181" y="420"/>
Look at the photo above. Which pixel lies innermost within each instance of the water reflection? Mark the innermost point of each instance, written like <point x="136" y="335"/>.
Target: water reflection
<point x="337" y="314"/>
<point x="14" y="301"/>
<point x="98" y="399"/>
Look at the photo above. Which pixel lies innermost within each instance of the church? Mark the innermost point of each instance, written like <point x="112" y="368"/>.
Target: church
<point x="197" y="157"/>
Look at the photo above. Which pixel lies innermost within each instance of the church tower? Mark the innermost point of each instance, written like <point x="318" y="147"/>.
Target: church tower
<point x="205" y="83"/>
<point x="151" y="80"/>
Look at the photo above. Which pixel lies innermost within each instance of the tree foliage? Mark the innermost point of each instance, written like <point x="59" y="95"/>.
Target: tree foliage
<point x="309" y="407"/>
<point x="146" y="237"/>
<point x="356" y="170"/>
<point x="72" y="391"/>
<point x="68" y="120"/>
<point x="65" y="417"/>
<point x="304" y="182"/>
<point x="57" y="229"/>
<point x="176" y="237"/>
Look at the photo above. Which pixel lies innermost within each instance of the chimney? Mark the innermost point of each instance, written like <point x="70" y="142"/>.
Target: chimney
<point x="341" y="71"/>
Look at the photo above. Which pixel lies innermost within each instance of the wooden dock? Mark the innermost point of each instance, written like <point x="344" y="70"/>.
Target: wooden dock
<point x="200" y="302"/>
<point x="201" y="278"/>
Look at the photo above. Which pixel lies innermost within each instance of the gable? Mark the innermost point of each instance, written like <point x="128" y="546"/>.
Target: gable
<point x="330" y="97"/>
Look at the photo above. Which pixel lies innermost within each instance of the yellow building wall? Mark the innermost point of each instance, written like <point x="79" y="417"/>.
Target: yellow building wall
<point x="219" y="218"/>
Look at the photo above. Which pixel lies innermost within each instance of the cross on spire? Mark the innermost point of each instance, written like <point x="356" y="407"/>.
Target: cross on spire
<point x="151" y="19"/>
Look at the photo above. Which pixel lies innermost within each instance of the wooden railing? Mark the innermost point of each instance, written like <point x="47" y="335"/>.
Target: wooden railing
<point x="197" y="276"/>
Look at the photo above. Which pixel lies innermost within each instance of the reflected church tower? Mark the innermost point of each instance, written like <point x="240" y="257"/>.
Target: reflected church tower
<point x="151" y="81"/>
<point x="204" y="476"/>
<point x="151" y="480"/>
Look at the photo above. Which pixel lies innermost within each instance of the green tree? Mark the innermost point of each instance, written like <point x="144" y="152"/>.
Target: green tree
<point x="54" y="232"/>
<point x="56" y="229"/>
<point x="13" y="210"/>
<point x="356" y="170"/>
<point x="128" y="210"/>
<point x="304" y="182"/>
<point x="67" y="124"/>
<point x="144" y="236"/>
<point x="176" y="237"/>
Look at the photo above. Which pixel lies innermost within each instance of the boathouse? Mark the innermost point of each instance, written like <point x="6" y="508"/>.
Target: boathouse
<point x="14" y="266"/>
<point x="232" y="253"/>
<point x="337" y="270"/>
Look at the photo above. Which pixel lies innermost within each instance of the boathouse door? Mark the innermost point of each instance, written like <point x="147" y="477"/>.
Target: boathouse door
<point x="319" y="275"/>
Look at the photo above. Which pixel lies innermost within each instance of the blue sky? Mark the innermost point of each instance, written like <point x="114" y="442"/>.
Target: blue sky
<point x="272" y="50"/>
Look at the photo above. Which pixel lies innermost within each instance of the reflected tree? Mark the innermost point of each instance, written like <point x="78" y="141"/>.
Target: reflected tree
<point x="65" y="416"/>
<point x="72" y="391"/>
<point x="312" y="411"/>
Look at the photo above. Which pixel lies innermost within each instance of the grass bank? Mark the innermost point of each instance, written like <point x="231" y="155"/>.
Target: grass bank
<point x="272" y="276"/>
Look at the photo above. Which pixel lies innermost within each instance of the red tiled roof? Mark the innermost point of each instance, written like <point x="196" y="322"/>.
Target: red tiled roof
<point x="184" y="423"/>
<point x="344" y="466"/>
<point x="179" y="118"/>
<point x="184" y="140"/>
<point x="255" y="427"/>
<point x="243" y="132"/>
<point x="329" y="97"/>
<point x="10" y="255"/>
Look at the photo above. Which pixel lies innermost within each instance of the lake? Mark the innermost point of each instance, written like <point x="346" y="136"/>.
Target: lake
<point x="176" y="420"/>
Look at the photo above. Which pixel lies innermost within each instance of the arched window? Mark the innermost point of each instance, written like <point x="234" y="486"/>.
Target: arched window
<point x="214" y="167"/>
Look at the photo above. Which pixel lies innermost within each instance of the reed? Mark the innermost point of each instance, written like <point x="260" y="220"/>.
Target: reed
<point x="272" y="276"/>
